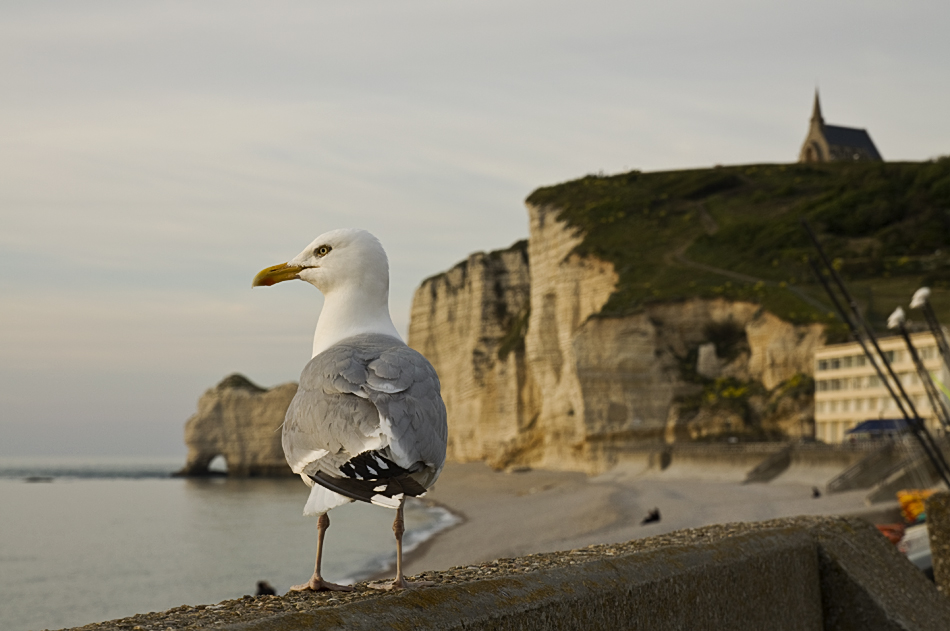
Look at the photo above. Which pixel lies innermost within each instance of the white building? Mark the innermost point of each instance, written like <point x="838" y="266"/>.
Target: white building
<point x="848" y="390"/>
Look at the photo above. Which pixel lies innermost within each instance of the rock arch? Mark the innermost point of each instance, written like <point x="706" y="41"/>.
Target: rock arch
<point x="239" y="421"/>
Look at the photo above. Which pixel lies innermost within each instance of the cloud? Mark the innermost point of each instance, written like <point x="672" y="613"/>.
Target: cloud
<point x="157" y="155"/>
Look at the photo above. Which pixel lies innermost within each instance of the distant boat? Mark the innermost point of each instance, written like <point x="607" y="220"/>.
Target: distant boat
<point x="38" y="478"/>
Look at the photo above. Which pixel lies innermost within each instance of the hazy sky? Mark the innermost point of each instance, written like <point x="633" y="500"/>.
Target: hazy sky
<point x="154" y="156"/>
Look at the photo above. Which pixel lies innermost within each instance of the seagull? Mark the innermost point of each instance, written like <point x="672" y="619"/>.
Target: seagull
<point x="920" y="298"/>
<point x="368" y="422"/>
<point x="896" y="319"/>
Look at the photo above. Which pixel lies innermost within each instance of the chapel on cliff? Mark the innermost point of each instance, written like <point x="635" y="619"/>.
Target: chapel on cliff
<point x="832" y="143"/>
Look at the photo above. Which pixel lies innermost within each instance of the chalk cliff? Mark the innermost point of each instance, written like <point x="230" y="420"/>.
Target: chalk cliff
<point x="240" y="421"/>
<point x="533" y="374"/>
<point x="470" y="323"/>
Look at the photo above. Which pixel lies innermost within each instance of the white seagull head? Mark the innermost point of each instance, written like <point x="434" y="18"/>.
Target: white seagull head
<point x="350" y="268"/>
<point x="348" y="258"/>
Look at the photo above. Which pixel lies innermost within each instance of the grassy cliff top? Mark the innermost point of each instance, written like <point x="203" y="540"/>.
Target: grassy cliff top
<point x="735" y="232"/>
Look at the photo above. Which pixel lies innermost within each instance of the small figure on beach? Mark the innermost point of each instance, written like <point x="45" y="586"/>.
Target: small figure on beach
<point x="815" y="492"/>
<point x="265" y="589"/>
<point x="368" y="422"/>
<point x="652" y="517"/>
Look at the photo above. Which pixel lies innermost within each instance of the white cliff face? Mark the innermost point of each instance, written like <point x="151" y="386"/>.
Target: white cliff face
<point x="532" y="374"/>
<point x="582" y="385"/>
<point x="460" y="321"/>
<point x="241" y="422"/>
<point x="780" y="349"/>
<point x="565" y="291"/>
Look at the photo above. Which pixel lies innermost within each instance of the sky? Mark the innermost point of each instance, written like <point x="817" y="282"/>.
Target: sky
<point x="155" y="156"/>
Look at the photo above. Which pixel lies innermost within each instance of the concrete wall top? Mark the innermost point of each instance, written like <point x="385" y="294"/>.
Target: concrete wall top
<point x="803" y="573"/>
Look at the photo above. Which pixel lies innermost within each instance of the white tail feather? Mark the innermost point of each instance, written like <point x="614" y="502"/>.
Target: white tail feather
<point x="322" y="499"/>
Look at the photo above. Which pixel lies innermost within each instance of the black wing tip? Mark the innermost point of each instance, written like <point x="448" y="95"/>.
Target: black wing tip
<point x="371" y="477"/>
<point x="371" y="465"/>
<point x="371" y="490"/>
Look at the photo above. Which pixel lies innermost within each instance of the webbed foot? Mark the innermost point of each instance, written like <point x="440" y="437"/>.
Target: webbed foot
<point x="317" y="584"/>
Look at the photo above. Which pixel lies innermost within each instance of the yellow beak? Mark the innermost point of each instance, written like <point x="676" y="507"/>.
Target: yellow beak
<point x="276" y="274"/>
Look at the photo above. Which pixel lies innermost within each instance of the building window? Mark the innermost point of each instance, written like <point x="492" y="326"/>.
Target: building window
<point x="822" y="364"/>
<point x="859" y="360"/>
<point x="835" y="363"/>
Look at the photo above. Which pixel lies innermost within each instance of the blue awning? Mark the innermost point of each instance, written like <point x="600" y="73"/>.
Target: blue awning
<point x="879" y="426"/>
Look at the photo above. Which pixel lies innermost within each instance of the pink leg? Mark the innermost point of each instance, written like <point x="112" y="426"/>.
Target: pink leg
<point x="400" y="581"/>
<point x="399" y="528"/>
<point x="316" y="582"/>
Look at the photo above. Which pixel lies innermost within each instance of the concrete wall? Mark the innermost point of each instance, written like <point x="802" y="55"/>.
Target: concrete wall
<point x="801" y="574"/>
<point x="744" y="462"/>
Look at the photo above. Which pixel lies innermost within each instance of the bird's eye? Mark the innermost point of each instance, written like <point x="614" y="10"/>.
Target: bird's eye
<point x="323" y="250"/>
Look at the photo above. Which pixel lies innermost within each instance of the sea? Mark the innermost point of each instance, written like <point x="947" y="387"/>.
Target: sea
<point x="89" y="540"/>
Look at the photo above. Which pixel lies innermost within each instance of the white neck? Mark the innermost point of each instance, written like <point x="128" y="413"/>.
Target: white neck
<point x="348" y="312"/>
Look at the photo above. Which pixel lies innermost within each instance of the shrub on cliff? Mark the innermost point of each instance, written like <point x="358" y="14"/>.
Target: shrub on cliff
<point x="734" y="232"/>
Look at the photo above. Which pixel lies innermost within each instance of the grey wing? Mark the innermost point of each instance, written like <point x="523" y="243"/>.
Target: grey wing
<point x="404" y="387"/>
<point x="371" y="393"/>
<point x="329" y="419"/>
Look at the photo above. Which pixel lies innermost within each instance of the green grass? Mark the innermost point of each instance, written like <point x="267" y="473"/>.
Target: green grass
<point x="886" y="224"/>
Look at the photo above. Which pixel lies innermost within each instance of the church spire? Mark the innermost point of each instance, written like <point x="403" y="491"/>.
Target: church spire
<point x="816" y="111"/>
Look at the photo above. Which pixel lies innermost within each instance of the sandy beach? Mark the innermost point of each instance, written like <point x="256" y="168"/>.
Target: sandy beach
<point x="513" y="514"/>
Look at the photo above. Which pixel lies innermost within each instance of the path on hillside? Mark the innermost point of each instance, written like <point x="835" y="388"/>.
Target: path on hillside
<point x="679" y="255"/>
